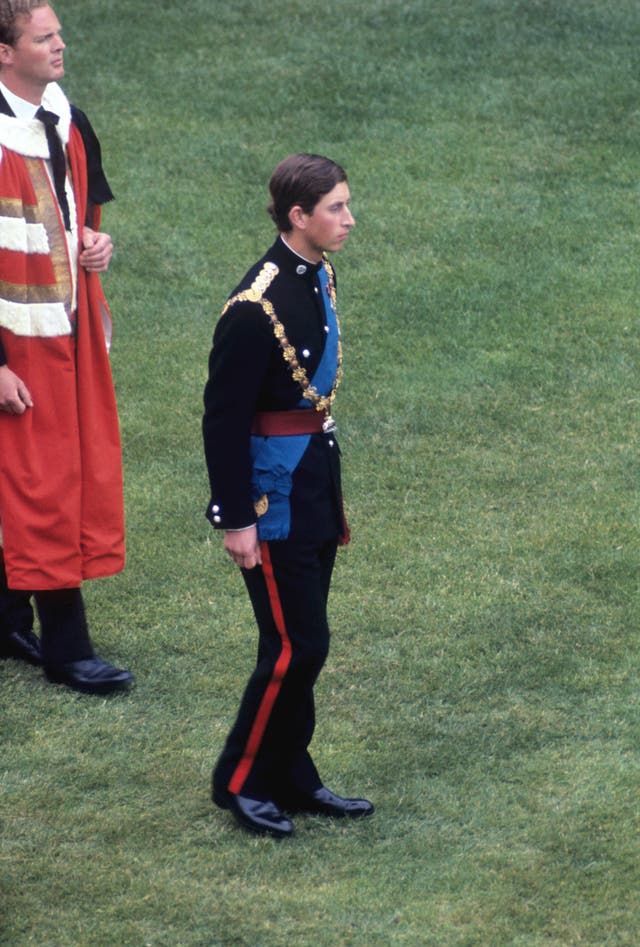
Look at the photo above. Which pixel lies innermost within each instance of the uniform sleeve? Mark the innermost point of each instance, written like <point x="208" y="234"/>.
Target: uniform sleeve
<point x="99" y="191"/>
<point x="242" y="349"/>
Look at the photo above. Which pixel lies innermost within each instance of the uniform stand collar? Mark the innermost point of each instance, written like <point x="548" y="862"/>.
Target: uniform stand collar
<point x="294" y="263"/>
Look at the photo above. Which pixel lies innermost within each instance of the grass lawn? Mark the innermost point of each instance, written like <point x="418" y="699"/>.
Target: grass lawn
<point x="483" y="685"/>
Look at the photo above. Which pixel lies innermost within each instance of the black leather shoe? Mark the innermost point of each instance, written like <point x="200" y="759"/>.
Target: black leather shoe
<point x="90" y="676"/>
<point x="325" y="802"/>
<point x="256" y="815"/>
<point x="23" y="645"/>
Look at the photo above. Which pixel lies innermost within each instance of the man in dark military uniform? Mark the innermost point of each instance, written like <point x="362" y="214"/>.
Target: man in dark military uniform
<point x="274" y="467"/>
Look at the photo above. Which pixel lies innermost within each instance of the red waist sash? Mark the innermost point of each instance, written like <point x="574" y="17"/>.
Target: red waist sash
<point x="280" y="423"/>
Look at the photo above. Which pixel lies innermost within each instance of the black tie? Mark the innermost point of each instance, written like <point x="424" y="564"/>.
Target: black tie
<point x="58" y="163"/>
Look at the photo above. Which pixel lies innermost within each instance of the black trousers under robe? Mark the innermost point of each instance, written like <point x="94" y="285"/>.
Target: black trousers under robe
<point x="63" y="625"/>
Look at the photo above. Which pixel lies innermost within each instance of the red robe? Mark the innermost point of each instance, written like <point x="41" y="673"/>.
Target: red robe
<point x="61" y="504"/>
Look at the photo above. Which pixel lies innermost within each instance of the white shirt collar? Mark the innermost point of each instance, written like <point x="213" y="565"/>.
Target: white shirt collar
<point x="299" y="255"/>
<point x="20" y="107"/>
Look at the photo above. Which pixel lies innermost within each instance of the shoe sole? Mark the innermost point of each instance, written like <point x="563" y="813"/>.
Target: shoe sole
<point x="98" y="690"/>
<point x="333" y="814"/>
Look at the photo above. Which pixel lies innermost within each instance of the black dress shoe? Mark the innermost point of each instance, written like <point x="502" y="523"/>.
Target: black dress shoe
<point x="325" y="802"/>
<point x="23" y="645"/>
<point x="256" y="815"/>
<point x="90" y="676"/>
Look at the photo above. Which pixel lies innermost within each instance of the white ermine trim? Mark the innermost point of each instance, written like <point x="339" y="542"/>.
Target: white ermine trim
<point x="16" y="234"/>
<point x="34" y="320"/>
<point x="27" y="136"/>
<point x="24" y="136"/>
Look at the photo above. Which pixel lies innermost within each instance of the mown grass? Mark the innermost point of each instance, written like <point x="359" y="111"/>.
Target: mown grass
<point x="482" y="687"/>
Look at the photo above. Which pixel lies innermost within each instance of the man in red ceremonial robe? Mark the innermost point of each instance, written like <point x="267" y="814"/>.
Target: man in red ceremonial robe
<point x="61" y="509"/>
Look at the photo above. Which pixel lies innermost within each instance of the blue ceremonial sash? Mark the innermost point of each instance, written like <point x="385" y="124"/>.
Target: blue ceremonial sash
<point x="325" y="373"/>
<point x="276" y="458"/>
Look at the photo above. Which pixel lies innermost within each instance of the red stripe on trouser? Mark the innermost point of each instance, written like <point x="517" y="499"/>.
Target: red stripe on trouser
<point x="274" y="686"/>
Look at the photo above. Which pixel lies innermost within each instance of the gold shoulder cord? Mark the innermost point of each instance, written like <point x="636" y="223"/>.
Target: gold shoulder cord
<point x="255" y="294"/>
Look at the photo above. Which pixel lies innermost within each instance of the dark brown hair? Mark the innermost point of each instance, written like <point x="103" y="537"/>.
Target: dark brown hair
<point x="302" y="180"/>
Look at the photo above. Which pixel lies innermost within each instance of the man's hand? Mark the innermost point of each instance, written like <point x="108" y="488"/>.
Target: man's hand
<point x="243" y="547"/>
<point x="14" y="394"/>
<point x="97" y="252"/>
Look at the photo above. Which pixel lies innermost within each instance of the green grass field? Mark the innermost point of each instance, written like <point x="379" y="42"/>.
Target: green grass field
<point x="483" y="685"/>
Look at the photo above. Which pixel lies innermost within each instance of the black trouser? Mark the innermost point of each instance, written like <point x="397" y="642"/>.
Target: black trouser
<point x="16" y="612"/>
<point x="266" y="753"/>
<point x="63" y="625"/>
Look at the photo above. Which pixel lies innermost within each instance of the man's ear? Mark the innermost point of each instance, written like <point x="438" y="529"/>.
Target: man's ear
<point x="5" y="53"/>
<point x="297" y="217"/>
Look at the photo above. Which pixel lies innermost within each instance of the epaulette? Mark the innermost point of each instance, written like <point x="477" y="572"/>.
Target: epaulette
<point x="256" y="291"/>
